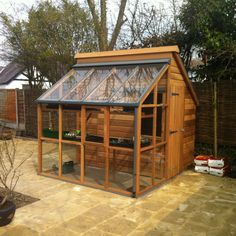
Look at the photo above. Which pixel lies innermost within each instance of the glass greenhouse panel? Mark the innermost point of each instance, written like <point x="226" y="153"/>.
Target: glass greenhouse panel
<point x="88" y="84"/>
<point x="133" y="89"/>
<point x="69" y="81"/>
<point x="50" y="157"/>
<point x="109" y="86"/>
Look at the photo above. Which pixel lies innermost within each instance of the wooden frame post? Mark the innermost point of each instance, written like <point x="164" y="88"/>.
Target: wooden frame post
<point x="78" y="152"/>
<point x="60" y="141"/>
<point x="137" y="147"/>
<point x="167" y="123"/>
<point x="83" y="136"/>
<point x="106" y="143"/>
<point x="39" y="114"/>
<point x="163" y="126"/>
<point x="154" y="133"/>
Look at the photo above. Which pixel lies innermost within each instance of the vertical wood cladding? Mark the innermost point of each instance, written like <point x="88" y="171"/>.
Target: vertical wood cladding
<point x="189" y="118"/>
<point x="8" y="105"/>
<point x="189" y="128"/>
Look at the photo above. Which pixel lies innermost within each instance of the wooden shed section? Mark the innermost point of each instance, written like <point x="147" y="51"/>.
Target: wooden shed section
<point x="122" y="121"/>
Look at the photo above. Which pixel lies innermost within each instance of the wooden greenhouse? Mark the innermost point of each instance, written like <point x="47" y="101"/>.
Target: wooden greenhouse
<point x="122" y="121"/>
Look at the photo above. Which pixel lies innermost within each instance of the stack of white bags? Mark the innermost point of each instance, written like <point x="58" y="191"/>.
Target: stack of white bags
<point x="211" y="165"/>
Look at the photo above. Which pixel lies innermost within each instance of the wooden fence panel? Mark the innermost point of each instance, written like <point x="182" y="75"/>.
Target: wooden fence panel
<point x="226" y="113"/>
<point x="8" y="105"/>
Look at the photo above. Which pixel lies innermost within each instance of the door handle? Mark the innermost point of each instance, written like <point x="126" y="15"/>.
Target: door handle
<point x="173" y="131"/>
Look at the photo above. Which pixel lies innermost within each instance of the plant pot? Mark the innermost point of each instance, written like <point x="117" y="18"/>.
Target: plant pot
<point x="68" y="167"/>
<point x="7" y="212"/>
<point x="50" y="133"/>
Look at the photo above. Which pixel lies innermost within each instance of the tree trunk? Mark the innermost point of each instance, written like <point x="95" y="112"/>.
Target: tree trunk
<point x="215" y="112"/>
<point x="100" y="23"/>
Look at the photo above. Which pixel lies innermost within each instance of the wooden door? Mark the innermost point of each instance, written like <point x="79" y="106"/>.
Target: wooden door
<point x="176" y="128"/>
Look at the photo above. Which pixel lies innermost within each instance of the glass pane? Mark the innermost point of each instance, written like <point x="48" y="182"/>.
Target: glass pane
<point x="152" y="167"/>
<point x="71" y="123"/>
<point x="150" y="98"/>
<point x="159" y="163"/>
<point x="147" y="126"/>
<point x="146" y="169"/>
<point x="120" y="170"/>
<point x="50" y="124"/>
<point x="86" y="86"/>
<point x="122" y="127"/>
<point x="71" y="161"/>
<point x="94" y="125"/>
<point x="133" y="89"/>
<point x="109" y="86"/>
<point x="160" y="132"/>
<point x="94" y="172"/>
<point x="104" y="91"/>
<point x="50" y="157"/>
<point x="65" y="85"/>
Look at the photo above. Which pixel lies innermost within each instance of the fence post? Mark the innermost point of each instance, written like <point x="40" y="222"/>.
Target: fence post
<point x="17" y="115"/>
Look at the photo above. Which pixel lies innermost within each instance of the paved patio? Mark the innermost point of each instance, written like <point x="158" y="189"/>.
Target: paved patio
<point x="190" y="204"/>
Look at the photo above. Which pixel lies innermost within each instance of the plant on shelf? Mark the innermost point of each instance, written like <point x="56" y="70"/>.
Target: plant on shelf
<point x="74" y="134"/>
<point x="9" y="177"/>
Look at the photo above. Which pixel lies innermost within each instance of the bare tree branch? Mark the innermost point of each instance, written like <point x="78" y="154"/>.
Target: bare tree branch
<point x="96" y="21"/>
<point x="103" y="24"/>
<point x="120" y="21"/>
<point x="9" y="168"/>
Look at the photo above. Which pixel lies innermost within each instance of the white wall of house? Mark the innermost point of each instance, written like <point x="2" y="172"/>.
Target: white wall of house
<point x="15" y="83"/>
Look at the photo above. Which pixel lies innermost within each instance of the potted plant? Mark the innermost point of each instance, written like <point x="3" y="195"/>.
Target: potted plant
<point x="9" y="176"/>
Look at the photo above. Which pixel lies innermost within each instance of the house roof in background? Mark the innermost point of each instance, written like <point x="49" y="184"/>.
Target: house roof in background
<point x="10" y="72"/>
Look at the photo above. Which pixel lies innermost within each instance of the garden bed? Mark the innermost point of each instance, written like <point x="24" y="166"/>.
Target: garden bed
<point x="20" y="199"/>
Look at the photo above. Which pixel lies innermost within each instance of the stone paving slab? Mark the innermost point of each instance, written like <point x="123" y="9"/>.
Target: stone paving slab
<point x="190" y="204"/>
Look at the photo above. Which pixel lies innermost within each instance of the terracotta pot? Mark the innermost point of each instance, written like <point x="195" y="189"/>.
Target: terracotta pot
<point x="7" y="212"/>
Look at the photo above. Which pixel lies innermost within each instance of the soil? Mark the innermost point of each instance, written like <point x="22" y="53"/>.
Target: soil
<point x="20" y="199"/>
<point x="6" y="133"/>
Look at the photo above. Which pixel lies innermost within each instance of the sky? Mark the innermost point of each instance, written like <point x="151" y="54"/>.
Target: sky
<point x="15" y="6"/>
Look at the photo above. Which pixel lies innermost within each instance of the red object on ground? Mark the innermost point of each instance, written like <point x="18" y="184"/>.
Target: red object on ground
<point x="217" y="166"/>
<point x="201" y="160"/>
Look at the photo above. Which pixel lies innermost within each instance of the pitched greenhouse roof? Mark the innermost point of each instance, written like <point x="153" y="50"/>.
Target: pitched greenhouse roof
<point x="119" y="83"/>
